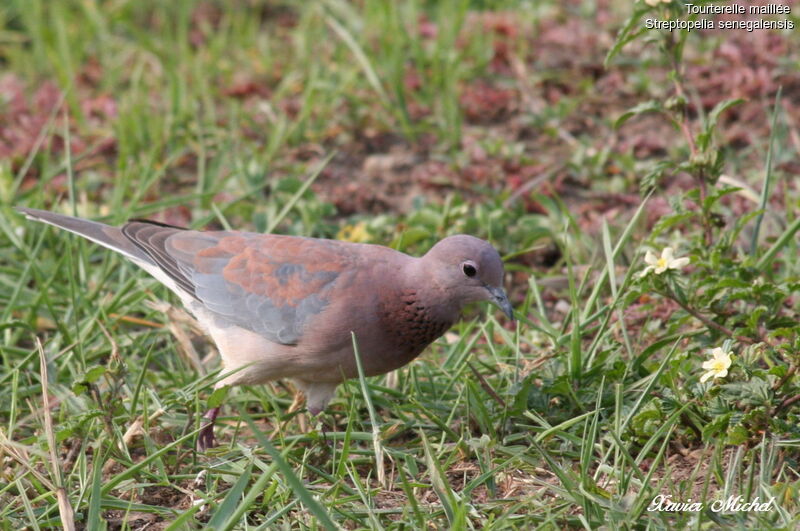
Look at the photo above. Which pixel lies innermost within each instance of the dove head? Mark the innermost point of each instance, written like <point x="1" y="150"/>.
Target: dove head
<point x="467" y="269"/>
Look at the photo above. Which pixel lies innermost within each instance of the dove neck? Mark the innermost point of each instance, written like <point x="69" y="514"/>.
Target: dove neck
<point x="423" y="279"/>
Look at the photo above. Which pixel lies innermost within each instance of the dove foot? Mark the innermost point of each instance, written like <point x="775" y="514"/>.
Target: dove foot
<point x="205" y="438"/>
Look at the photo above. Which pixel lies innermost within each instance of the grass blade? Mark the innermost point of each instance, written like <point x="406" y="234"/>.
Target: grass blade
<point x="302" y="493"/>
<point x="226" y="516"/>
<point x="373" y="417"/>
<point x="767" y="173"/>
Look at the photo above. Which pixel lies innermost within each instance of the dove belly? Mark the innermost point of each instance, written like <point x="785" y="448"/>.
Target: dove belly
<point x="249" y="358"/>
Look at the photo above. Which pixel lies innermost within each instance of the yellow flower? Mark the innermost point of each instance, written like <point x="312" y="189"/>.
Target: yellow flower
<point x="665" y="262"/>
<point x="354" y="233"/>
<point x="717" y="366"/>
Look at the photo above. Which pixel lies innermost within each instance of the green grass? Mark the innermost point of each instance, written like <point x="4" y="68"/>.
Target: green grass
<point x="259" y="116"/>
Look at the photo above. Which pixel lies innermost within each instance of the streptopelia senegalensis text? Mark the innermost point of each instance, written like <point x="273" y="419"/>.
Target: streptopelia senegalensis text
<point x="285" y="306"/>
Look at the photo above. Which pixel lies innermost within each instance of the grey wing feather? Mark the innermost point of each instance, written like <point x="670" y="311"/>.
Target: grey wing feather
<point x="251" y="311"/>
<point x="150" y="238"/>
<point x="224" y="269"/>
<point x="176" y="252"/>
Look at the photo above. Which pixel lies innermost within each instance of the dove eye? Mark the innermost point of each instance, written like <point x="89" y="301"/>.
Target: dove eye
<point x="469" y="268"/>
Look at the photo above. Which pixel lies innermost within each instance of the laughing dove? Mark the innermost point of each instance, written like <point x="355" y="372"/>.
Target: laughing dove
<point x="285" y="306"/>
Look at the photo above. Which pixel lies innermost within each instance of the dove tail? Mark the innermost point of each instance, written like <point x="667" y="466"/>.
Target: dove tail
<point x="102" y="234"/>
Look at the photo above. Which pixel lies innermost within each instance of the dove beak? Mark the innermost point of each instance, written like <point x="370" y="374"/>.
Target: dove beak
<point x="499" y="297"/>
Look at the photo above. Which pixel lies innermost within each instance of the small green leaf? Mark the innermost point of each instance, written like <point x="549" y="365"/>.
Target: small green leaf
<point x="719" y="108"/>
<point x="627" y="33"/>
<point x="651" y="179"/>
<point x="646" y="106"/>
<point x="217" y="397"/>
<point x="93" y="374"/>
<point x="64" y="434"/>
<point x="410" y="237"/>
<point x="713" y="428"/>
<point x="706" y="137"/>
<point x="737" y="435"/>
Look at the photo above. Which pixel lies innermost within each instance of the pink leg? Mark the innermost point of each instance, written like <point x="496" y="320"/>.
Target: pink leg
<point x="205" y="438"/>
